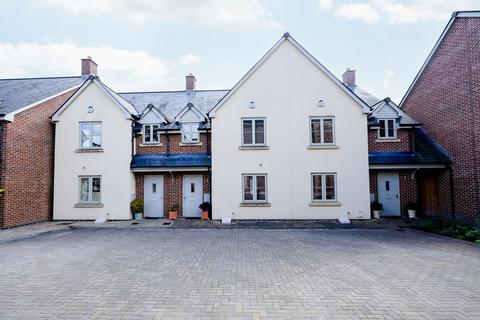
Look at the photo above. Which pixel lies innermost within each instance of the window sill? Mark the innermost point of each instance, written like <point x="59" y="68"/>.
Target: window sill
<point x="87" y="150"/>
<point x="324" y="204"/>
<point x="88" y="205"/>
<point x="255" y="204"/>
<point x="388" y="140"/>
<point x="151" y="145"/>
<point x="322" y="147"/>
<point x="186" y="144"/>
<point x="253" y="148"/>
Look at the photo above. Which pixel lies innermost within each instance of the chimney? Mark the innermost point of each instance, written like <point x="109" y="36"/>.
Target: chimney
<point x="190" y="82"/>
<point x="349" y="78"/>
<point x="89" y="67"/>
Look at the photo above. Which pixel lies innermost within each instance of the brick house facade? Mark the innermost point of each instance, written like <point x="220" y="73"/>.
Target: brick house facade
<point x="445" y="97"/>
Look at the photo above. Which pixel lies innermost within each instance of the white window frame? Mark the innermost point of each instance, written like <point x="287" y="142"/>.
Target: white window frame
<point x="195" y="131"/>
<point x="254" y="175"/>
<point x="324" y="186"/>
<point x="387" y="137"/>
<point x="322" y="140"/>
<point x="90" y="189"/>
<point x="150" y="125"/>
<point x="254" y="142"/>
<point x="91" y="123"/>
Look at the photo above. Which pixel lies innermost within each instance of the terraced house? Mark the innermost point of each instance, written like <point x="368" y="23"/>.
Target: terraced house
<point x="288" y="141"/>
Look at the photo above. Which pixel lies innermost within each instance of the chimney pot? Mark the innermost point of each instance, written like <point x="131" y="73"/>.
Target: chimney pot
<point x="349" y="78"/>
<point x="89" y="67"/>
<point x="190" y="82"/>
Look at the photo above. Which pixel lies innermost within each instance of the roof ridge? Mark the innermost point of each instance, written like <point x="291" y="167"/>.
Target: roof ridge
<point x="170" y="91"/>
<point x="42" y="78"/>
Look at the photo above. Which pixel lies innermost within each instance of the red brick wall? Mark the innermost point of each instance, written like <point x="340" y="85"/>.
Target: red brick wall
<point x="27" y="165"/>
<point x="176" y="146"/>
<point x="446" y="99"/>
<point x="405" y="144"/>
<point x="173" y="188"/>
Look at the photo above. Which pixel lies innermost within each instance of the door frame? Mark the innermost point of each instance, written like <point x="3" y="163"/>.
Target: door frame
<point x="184" y="211"/>
<point x="397" y="175"/>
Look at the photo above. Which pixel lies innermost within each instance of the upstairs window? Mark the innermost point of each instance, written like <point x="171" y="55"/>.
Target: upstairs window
<point x="151" y="133"/>
<point x="90" y="135"/>
<point x="387" y="129"/>
<point x="254" y="188"/>
<point x="322" y="131"/>
<point x="190" y="133"/>
<point x="324" y="187"/>
<point x="253" y="132"/>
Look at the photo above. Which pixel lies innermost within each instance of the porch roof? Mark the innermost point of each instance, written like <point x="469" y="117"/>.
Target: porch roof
<point x="426" y="152"/>
<point x="171" y="161"/>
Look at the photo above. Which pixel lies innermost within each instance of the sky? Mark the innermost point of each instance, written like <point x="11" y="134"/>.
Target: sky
<point x="150" y="45"/>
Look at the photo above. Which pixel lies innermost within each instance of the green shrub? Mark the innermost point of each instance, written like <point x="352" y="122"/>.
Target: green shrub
<point x="136" y="206"/>
<point x="473" y="235"/>
<point x="174" y="207"/>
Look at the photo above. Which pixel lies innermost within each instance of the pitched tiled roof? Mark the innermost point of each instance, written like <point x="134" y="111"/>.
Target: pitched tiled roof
<point x="367" y="97"/>
<point x="170" y="103"/>
<point x="426" y="152"/>
<point x="173" y="160"/>
<point x="18" y="93"/>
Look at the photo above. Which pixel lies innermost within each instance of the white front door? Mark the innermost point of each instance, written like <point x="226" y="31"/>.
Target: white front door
<point x="389" y="193"/>
<point x="153" y="196"/>
<point x="192" y="196"/>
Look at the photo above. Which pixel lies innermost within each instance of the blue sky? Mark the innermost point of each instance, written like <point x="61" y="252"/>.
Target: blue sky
<point x="151" y="45"/>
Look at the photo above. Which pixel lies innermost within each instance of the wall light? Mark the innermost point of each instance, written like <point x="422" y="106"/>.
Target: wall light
<point x="321" y="103"/>
<point x="252" y="104"/>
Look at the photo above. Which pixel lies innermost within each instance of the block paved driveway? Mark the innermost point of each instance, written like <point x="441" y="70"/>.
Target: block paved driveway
<point x="243" y="273"/>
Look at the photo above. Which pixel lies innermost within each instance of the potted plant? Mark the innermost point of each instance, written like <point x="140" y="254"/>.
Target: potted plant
<point x="412" y="208"/>
<point x="376" y="207"/>
<point x="173" y="212"/>
<point x="136" y="206"/>
<point x="205" y="209"/>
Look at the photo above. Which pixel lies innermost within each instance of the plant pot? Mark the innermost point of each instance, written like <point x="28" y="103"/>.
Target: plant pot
<point x="204" y="215"/>
<point x="412" y="214"/>
<point x="172" y="215"/>
<point x="376" y="214"/>
<point x="138" y="216"/>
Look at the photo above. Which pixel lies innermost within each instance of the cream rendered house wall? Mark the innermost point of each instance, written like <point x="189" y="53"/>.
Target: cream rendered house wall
<point x="113" y="164"/>
<point x="286" y="89"/>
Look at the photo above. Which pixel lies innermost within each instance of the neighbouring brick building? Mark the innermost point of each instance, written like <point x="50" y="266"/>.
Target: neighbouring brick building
<point x="406" y="166"/>
<point x="445" y="97"/>
<point x="27" y="144"/>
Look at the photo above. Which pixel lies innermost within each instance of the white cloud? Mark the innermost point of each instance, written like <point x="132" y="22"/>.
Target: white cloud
<point x="358" y="11"/>
<point x="121" y="69"/>
<point x="205" y="12"/>
<point x="189" y="58"/>
<point x="399" y="11"/>
<point x="325" y="4"/>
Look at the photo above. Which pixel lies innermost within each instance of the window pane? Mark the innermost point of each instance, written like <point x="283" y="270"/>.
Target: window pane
<point x="315" y="128"/>
<point x="195" y="136"/>
<point x="85" y="135"/>
<point x="155" y="133"/>
<point x="261" y="195"/>
<point x="381" y="132"/>
<point x="248" y="188"/>
<point x="96" y="189"/>
<point x="247" y="132"/>
<point x="192" y="187"/>
<point x="327" y="130"/>
<point x="83" y="189"/>
<point x="259" y="132"/>
<point x="97" y="141"/>
<point x="147" y="133"/>
<point x="154" y="188"/>
<point x="97" y="129"/>
<point x="391" y="128"/>
<point x="317" y="187"/>
<point x="330" y="186"/>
